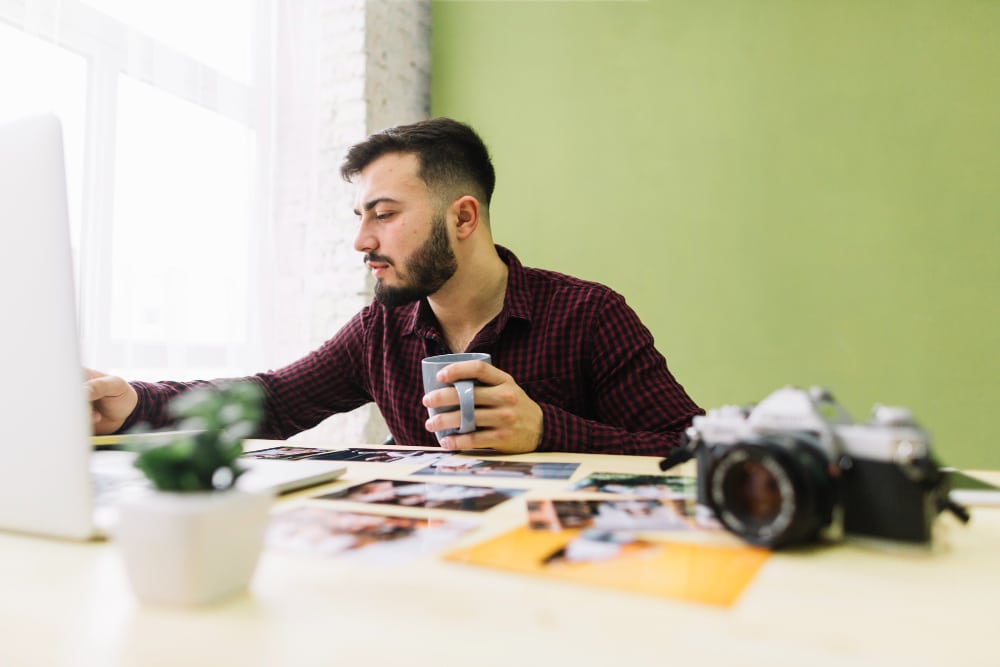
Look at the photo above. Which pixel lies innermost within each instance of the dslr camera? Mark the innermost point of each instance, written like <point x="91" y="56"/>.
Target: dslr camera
<point x="796" y="468"/>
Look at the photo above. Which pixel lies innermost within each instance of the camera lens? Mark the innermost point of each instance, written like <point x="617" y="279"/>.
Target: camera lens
<point x="755" y="490"/>
<point x="774" y="491"/>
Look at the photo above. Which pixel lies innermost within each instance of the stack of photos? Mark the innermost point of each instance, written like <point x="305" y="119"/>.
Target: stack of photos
<point x="371" y="455"/>
<point x="285" y="453"/>
<point x="354" y="454"/>
<point x="463" y="465"/>
<point x="435" y="461"/>
<point x="613" y="543"/>
<point x="704" y="573"/>
<point x="607" y="528"/>
<point x="429" y="496"/>
<point x="319" y="529"/>
<point x="645" y="486"/>
<point x="631" y="515"/>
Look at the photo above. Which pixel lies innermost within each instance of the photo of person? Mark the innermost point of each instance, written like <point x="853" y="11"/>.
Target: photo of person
<point x="429" y="496"/>
<point x="372" y="455"/>
<point x="599" y="546"/>
<point x="385" y="539"/>
<point x="610" y="515"/>
<point x="543" y="514"/>
<point x="460" y="465"/>
<point x="285" y="453"/>
<point x="646" y="486"/>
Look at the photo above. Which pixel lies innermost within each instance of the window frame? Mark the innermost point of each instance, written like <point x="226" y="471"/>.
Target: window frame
<point x="113" y="49"/>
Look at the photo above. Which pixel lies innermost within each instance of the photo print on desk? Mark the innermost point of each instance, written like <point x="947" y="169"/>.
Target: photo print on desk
<point x="639" y="514"/>
<point x="461" y="465"/>
<point x="645" y="486"/>
<point x="373" y="455"/>
<point x="592" y="546"/>
<point x="285" y="453"/>
<point x="705" y="573"/>
<point x="322" y="530"/>
<point x="429" y="496"/>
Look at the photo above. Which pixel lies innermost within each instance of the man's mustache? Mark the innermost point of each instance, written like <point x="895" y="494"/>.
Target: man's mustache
<point x="381" y="259"/>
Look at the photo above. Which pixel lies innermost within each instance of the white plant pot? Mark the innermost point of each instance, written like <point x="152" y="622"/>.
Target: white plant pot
<point x="193" y="548"/>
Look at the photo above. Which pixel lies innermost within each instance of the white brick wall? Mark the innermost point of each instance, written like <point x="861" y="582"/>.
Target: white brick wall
<point x="345" y="68"/>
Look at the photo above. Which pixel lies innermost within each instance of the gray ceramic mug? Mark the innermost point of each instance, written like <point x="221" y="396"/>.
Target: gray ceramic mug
<point x="466" y="396"/>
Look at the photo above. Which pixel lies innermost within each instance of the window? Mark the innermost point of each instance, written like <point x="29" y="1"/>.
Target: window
<point x="180" y="238"/>
<point x="56" y="83"/>
<point x="219" y="33"/>
<point x="158" y="107"/>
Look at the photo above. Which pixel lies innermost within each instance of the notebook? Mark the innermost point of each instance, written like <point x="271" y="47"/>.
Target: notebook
<point x="46" y="482"/>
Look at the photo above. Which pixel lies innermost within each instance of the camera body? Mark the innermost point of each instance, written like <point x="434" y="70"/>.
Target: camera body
<point x="795" y="468"/>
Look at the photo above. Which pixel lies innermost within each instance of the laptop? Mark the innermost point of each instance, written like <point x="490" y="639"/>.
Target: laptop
<point x="46" y="455"/>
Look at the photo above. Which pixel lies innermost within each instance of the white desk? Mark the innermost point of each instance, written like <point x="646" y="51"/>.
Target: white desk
<point x="69" y="604"/>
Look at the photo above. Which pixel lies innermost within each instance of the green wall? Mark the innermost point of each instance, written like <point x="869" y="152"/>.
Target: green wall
<point x="788" y="192"/>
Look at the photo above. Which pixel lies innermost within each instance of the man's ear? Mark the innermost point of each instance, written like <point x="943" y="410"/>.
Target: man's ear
<point x="467" y="214"/>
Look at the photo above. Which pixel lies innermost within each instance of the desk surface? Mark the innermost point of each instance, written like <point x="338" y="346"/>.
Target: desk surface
<point x="64" y="603"/>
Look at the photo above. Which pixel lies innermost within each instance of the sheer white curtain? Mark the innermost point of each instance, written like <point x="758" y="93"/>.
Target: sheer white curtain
<point x="213" y="233"/>
<point x="163" y="114"/>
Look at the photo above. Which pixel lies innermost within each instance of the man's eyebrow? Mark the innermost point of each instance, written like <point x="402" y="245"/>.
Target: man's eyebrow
<point x="369" y="205"/>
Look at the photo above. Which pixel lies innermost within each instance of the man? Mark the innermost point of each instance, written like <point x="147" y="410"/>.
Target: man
<point x="573" y="367"/>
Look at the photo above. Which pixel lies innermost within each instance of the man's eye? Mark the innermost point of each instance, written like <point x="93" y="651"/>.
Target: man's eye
<point x="383" y="216"/>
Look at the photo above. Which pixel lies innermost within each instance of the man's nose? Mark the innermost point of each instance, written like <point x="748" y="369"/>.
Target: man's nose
<point x="365" y="241"/>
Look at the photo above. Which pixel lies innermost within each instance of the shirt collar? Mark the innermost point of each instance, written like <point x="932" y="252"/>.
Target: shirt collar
<point x="517" y="302"/>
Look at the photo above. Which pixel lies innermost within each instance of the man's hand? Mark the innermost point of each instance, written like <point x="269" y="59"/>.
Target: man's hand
<point x="506" y="419"/>
<point x="112" y="400"/>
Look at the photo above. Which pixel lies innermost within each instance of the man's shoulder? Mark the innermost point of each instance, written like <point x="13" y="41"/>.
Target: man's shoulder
<point x="566" y="286"/>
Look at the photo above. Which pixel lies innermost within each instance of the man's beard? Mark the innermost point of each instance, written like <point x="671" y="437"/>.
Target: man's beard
<point x="427" y="269"/>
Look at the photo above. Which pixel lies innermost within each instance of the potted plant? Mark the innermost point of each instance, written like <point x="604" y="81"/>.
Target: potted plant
<point x="195" y="537"/>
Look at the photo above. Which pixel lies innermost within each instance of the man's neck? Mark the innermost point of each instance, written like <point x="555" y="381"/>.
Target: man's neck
<point x="471" y="299"/>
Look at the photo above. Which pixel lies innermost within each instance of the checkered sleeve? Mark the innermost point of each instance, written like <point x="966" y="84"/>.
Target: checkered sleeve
<point x="297" y="396"/>
<point x="154" y="397"/>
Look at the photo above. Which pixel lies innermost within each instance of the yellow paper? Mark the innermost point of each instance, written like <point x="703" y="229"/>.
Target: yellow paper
<point x="708" y="574"/>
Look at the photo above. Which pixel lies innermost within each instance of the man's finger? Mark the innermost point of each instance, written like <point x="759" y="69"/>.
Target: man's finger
<point x="103" y="386"/>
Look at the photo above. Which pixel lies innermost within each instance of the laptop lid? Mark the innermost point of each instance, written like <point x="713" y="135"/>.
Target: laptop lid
<point x="45" y="485"/>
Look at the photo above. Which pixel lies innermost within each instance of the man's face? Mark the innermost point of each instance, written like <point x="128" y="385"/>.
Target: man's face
<point x="403" y="235"/>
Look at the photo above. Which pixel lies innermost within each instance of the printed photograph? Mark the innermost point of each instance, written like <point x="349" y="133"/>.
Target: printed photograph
<point x="429" y="496"/>
<point x="705" y="573"/>
<point x="592" y="546"/>
<point x="325" y="531"/>
<point x="372" y="455"/>
<point x="611" y="515"/>
<point x="645" y="486"/>
<point x="461" y="465"/>
<point x="285" y="453"/>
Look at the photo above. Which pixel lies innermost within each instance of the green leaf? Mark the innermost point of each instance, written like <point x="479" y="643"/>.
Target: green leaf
<point x="223" y="416"/>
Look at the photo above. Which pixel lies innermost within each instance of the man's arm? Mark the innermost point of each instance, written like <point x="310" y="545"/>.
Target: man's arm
<point x="117" y="404"/>
<point x="638" y="406"/>
<point x="512" y="423"/>
<point x="297" y="396"/>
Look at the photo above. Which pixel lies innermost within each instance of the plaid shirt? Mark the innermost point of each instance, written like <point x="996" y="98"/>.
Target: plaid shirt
<point x="575" y="347"/>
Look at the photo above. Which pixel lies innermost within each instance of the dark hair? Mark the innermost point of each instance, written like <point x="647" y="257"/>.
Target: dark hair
<point x="452" y="156"/>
